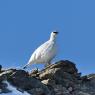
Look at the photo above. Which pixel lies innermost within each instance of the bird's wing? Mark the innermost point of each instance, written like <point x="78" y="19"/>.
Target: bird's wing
<point x="46" y="50"/>
<point x="50" y="50"/>
<point x="42" y="49"/>
<point x="38" y="52"/>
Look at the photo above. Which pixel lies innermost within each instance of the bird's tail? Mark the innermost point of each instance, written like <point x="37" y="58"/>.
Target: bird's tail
<point x="26" y="66"/>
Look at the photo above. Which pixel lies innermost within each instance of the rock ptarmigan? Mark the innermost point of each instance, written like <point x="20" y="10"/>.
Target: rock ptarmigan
<point x="44" y="53"/>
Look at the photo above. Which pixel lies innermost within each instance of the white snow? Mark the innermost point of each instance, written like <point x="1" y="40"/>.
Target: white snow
<point x="14" y="90"/>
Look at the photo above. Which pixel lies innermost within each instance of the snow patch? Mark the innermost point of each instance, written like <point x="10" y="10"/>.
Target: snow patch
<point x="14" y="90"/>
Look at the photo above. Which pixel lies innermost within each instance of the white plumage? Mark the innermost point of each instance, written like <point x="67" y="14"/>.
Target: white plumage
<point x="45" y="53"/>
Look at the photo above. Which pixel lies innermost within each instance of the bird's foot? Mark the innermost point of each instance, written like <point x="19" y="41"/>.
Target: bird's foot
<point x="34" y="71"/>
<point x="37" y="69"/>
<point x="47" y="65"/>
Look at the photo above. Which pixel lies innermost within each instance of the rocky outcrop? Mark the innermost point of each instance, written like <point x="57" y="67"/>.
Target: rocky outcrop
<point x="61" y="78"/>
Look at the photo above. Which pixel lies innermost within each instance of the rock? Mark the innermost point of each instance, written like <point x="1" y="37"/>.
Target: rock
<point x="22" y="80"/>
<point x="0" y="68"/>
<point x="5" y="74"/>
<point x="37" y="91"/>
<point x="34" y="73"/>
<point x="61" y="78"/>
<point x="63" y="72"/>
<point x="60" y="90"/>
<point x="48" y="82"/>
<point x="82" y="93"/>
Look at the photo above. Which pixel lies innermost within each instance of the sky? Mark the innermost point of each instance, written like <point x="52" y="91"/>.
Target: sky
<point x="26" y="24"/>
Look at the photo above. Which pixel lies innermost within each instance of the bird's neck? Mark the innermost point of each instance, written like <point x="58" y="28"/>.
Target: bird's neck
<point x="52" y="38"/>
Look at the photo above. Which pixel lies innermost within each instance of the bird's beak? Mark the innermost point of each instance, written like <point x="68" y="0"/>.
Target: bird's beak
<point x="55" y="32"/>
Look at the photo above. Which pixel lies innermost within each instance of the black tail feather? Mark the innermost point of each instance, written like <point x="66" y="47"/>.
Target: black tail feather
<point x="24" y="67"/>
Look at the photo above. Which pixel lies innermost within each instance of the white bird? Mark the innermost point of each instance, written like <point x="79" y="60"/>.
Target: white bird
<point x="45" y="53"/>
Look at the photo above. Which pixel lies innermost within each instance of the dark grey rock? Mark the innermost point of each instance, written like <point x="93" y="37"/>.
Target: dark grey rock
<point x="61" y="78"/>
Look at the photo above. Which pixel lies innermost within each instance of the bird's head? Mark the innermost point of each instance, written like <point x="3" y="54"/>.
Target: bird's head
<point x="53" y="35"/>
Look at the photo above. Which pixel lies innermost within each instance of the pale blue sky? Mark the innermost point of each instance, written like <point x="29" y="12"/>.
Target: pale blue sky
<point x="25" y="24"/>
